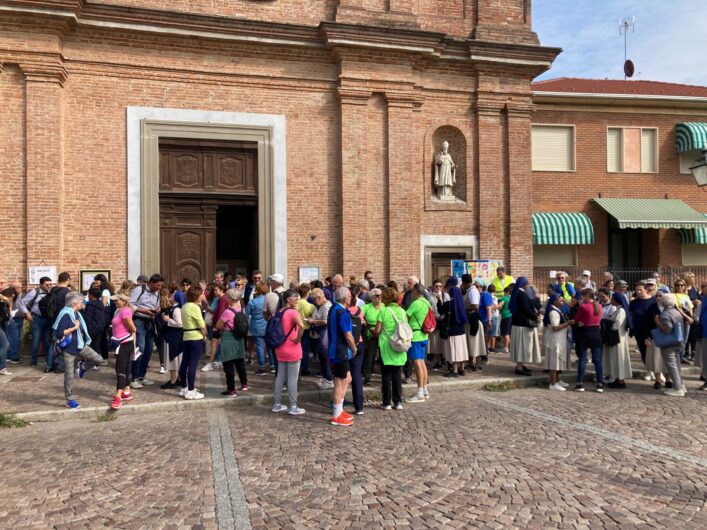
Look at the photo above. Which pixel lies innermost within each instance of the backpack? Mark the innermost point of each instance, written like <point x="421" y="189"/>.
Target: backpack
<point x="401" y="339"/>
<point x="47" y="305"/>
<point x="4" y="314"/>
<point x="240" y="324"/>
<point x="430" y="322"/>
<point x="356" y="325"/>
<point x="275" y="335"/>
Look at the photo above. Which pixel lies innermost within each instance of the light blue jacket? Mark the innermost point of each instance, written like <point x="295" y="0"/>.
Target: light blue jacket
<point x="254" y="312"/>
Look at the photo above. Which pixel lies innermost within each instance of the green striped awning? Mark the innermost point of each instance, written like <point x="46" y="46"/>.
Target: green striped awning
<point x="690" y="136"/>
<point x="698" y="236"/>
<point x="652" y="213"/>
<point x="562" y="229"/>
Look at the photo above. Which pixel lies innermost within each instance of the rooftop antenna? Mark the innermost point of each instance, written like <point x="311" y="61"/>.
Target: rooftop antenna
<point x="626" y="25"/>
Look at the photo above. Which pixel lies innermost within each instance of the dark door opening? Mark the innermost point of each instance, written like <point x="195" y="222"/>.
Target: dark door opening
<point x="624" y="246"/>
<point x="442" y="264"/>
<point x="237" y="238"/>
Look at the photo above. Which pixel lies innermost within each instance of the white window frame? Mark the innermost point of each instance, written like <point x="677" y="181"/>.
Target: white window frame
<point x="698" y="247"/>
<point x="574" y="147"/>
<point x="623" y="127"/>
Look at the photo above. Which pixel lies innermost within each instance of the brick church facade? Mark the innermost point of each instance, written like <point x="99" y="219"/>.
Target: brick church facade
<point x="141" y="135"/>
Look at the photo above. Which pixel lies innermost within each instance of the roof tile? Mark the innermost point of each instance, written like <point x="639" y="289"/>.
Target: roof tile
<point x="615" y="86"/>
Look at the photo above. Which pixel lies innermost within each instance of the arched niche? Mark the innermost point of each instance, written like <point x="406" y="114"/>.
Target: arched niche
<point x="457" y="150"/>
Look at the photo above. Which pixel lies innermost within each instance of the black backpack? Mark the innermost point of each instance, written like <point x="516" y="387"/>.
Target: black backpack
<point x="356" y="325"/>
<point x="47" y="305"/>
<point x="4" y="314"/>
<point x="240" y="324"/>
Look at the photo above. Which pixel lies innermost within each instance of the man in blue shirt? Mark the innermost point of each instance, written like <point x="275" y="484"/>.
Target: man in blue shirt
<point x="341" y="348"/>
<point x="703" y="325"/>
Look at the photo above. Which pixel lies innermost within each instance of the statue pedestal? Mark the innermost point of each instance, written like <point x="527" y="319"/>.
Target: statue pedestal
<point x="447" y="199"/>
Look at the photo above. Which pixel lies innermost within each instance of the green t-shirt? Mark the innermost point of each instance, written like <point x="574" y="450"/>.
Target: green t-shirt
<point x="417" y="312"/>
<point x="505" y="310"/>
<point x="370" y="314"/>
<point x="192" y="319"/>
<point x="389" y="356"/>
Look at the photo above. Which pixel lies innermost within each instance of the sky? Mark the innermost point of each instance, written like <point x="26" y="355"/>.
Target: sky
<point x="669" y="42"/>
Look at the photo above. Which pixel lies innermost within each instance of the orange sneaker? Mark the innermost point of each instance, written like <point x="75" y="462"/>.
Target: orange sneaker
<point x="126" y="397"/>
<point x="117" y="402"/>
<point x="342" y="421"/>
<point x="346" y="415"/>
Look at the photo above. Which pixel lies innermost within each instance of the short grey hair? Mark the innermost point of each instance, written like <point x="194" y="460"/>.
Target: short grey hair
<point x="340" y="294"/>
<point x="420" y="289"/>
<point x="667" y="300"/>
<point x="72" y="298"/>
<point x="234" y="294"/>
<point x="363" y="284"/>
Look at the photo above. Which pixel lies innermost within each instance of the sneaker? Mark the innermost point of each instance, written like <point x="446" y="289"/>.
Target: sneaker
<point x="73" y="404"/>
<point x="169" y="385"/>
<point x="260" y="371"/>
<point x="417" y="398"/>
<point x="245" y="388"/>
<point x="326" y="385"/>
<point x="145" y="381"/>
<point x="386" y="407"/>
<point x="674" y="392"/>
<point x="296" y="411"/>
<point x="341" y="421"/>
<point x="703" y="387"/>
<point x="193" y="394"/>
<point x="183" y="391"/>
<point x="579" y="388"/>
<point x="5" y="371"/>
<point x="136" y="384"/>
<point x="117" y="403"/>
<point x="660" y="377"/>
<point x="557" y="386"/>
<point x="95" y="368"/>
<point x="562" y="383"/>
<point x="126" y="397"/>
<point x="600" y="388"/>
<point x="407" y="381"/>
<point x="273" y="371"/>
<point x="399" y="406"/>
<point x="162" y="370"/>
<point x="208" y="367"/>
<point x="359" y="413"/>
<point x="229" y="393"/>
<point x="82" y="369"/>
<point x="427" y="394"/>
<point x="616" y="385"/>
<point x="648" y="377"/>
<point x="216" y="364"/>
<point x="14" y="361"/>
<point x="279" y="408"/>
<point x="346" y="414"/>
<point x="685" y="361"/>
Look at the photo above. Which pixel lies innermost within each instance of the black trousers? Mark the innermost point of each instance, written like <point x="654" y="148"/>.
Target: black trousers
<point x="392" y="381"/>
<point x="642" y="348"/>
<point x="123" y="364"/>
<point x="230" y="367"/>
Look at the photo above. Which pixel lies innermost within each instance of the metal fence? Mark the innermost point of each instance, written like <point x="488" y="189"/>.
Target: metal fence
<point x="542" y="275"/>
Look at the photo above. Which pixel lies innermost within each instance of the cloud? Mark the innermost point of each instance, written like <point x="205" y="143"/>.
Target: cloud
<point x="668" y="44"/>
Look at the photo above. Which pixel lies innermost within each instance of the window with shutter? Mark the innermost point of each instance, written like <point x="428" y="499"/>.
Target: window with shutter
<point x="554" y="255"/>
<point x="614" y="151"/>
<point x="552" y="148"/>
<point x="631" y="150"/>
<point x="648" y="151"/>
<point x="693" y="254"/>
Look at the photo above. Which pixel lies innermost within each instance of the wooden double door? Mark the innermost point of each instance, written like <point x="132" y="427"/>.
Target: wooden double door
<point x="196" y="179"/>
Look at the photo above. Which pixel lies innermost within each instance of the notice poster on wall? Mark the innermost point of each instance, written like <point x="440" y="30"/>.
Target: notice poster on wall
<point x="36" y="273"/>
<point x="485" y="268"/>
<point x="309" y="273"/>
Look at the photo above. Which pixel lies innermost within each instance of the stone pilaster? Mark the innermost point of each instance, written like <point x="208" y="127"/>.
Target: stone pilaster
<point x="44" y="161"/>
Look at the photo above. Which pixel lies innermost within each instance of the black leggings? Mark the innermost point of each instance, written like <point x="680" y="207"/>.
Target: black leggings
<point x="230" y="367"/>
<point x="391" y="378"/>
<point x="123" y="363"/>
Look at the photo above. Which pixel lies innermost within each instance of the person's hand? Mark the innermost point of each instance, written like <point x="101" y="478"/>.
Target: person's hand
<point x="649" y="342"/>
<point x="77" y="324"/>
<point x="165" y="318"/>
<point x="28" y="317"/>
<point x="657" y="319"/>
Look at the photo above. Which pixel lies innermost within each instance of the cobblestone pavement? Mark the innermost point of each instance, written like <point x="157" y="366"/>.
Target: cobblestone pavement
<point x="527" y="458"/>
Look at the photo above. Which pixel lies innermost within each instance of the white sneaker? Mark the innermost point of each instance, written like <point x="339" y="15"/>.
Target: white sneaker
<point x="563" y="384"/>
<point x="674" y="392"/>
<point x="183" y="391"/>
<point x="4" y="371"/>
<point x="399" y="406"/>
<point x="146" y="382"/>
<point x="557" y="386"/>
<point x="326" y="384"/>
<point x="193" y="395"/>
<point x="162" y="370"/>
<point x="417" y="398"/>
<point x="135" y="384"/>
<point x="279" y="408"/>
<point x="660" y="378"/>
<point x="296" y="411"/>
<point x="649" y="376"/>
<point x="216" y="364"/>
<point x="207" y="367"/>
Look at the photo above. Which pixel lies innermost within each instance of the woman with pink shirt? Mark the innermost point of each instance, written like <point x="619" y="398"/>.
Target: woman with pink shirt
<point x="232" y="342"/>
<point x="588" y="319"/>
<point x="289" y="355"/>
<point x="124" y="334"/>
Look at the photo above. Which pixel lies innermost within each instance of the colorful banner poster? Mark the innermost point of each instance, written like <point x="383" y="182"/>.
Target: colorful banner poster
<point x="485" y="268"/>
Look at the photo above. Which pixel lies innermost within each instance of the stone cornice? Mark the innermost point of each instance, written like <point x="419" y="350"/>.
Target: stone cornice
<point x="373" y="37"/>
<point x="353" y="96"/>
<point x="44" y="71"/>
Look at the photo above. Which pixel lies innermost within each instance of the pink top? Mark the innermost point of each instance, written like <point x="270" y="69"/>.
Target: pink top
<point x="586" y="315"/>
<point x="119" y="329"/>
<point x="228" y="316"/>
<point x="289" y="351"/>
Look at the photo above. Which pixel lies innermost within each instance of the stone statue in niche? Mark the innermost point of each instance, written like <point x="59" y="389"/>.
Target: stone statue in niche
<point x="445" y="174"/>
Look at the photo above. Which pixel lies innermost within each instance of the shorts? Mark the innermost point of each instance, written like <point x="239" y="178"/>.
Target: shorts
<point x="340" y="369"/>
<point x="493" y="331"/>
<point x="506" y="326"/>
<point x="418" y="351"/>
<point x="216" y="334"/>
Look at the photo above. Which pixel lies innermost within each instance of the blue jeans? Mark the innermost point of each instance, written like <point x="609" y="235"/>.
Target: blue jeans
<point x="146" y="342"/>
<point x="324" y="360"/>
<point x="4" y="345"/>
<point x="686" y="335"/>
<point x="41" y="328"/>
<point x="14" y="333"/>
<point x="596" y="359"/>
<point x="260" y="350"/>
<point x="306" y="349"/>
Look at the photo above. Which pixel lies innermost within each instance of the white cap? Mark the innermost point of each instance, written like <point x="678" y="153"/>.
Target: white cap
<point x="586" y="273"/>
<point x="277" y="278"/>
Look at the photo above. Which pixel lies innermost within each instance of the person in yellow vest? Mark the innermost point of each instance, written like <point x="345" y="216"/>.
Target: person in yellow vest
<point x="502" y="280"/>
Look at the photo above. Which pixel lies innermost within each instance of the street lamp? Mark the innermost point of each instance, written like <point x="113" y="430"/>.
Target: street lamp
<point x="699" y="170"/>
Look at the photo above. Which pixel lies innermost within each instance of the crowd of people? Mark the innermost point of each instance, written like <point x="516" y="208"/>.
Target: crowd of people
<point x="348" y="330"/>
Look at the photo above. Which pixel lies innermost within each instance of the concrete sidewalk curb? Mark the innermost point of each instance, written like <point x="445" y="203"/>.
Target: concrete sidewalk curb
<point x="306" y="396"/>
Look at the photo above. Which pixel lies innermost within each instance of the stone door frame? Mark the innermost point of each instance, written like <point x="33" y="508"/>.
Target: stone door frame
<point x="430" y="244"/>
<point x="146" y="125"/>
